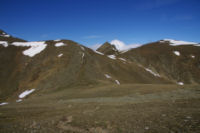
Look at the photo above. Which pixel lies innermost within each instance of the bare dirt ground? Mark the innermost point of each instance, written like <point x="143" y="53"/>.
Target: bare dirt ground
<point x="110" y="109"/>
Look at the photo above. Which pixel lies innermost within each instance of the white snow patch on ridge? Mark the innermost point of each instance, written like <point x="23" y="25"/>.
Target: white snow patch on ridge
<point x="25" y="93"/>
<point x="4" y="43"/>
<point x="4" y="103"/>
<point x="59" y="44"/>
<point x="34" y="50"/>
<point x="177" y="53"/>
<point x="155" y="74"/>
<point x="177" y="43"/>
<point x="35" y="47"/>
<point x="112" y="57"/>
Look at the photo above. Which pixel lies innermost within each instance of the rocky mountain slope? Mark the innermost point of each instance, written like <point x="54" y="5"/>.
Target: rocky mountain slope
<point x="53" y="65"/>
<point x="177" y="61"/>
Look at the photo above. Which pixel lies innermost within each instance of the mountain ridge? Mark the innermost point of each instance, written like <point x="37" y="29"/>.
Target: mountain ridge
<point x="60" y="64"/>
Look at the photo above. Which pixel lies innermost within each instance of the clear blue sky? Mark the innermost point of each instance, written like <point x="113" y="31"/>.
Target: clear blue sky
<point x="96" y="21"/>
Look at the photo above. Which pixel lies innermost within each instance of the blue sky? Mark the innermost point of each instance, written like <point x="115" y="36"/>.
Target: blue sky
<point x="91" y="22"/>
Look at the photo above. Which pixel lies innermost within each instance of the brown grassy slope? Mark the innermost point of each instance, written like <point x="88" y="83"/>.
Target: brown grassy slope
<point x="9" y="69"/>
<point x="10" y="61"/>
<point x="114" y="109"/>
<point x="160" y="57"/>
<point x="78" y="67"/>
<point x="74" y="69"/>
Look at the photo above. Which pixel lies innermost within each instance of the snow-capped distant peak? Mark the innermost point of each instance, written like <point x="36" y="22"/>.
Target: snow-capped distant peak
<point x="118" y="44"/>
<point x="121" y="46"/>
<point x="177" y="42"/>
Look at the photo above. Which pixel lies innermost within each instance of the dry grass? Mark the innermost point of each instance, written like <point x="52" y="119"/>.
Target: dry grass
<point x="112" y="109"/>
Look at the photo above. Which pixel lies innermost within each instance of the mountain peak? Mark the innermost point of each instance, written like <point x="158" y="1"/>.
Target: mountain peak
<point x="9" y="38"/>
<point x="108" y="49"/>
<point x="118" y="44"/>
<point x="4" y="34"/>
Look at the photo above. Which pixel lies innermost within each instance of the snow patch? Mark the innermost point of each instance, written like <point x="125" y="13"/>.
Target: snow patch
<point x="35" y="47"/>
<point x="4" y="103"/>
<point x="4" y="43"/>
<point x="189" y="117"/>
<point x="59" y="44"/>
<point x="122" y="59"/>
<point x="117" y="82"/>
<point x="180" y="83"/>
<point x="60" y="55"/>
<point x="98" y="52"/>
<point x="19" y="100"/>
<point x="114" y="49"/>
<point x="82" y="48"/>
<point x="177" y="53"/>
<point x="107" y="76"/>
<point x="155" y="74"/>
<point x="57" y="40"/>
<point x="5" y="35"/>
<point x="192" y="56"/>
<point x="146" y="128"/>
<point x="177" y="43"/>
<point x="83" y="54"/>
<point x="34" y="50"/>
<point x="25" y="93"/>
<point x="112" y="57"/>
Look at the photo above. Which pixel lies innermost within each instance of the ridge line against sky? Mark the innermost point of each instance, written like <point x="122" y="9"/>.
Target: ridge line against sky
<point x="91" y="22"/>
